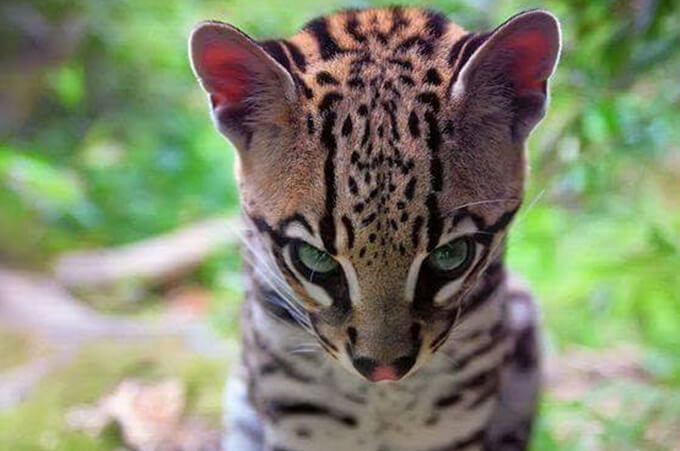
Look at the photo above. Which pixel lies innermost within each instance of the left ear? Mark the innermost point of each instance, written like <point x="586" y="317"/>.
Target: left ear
<point x="248" y="88"/>
<point x="511" y="68"/>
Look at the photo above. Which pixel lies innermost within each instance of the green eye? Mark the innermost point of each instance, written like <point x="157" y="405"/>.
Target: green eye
<point x="315" y="260"/>
<point x="453" y="257"/>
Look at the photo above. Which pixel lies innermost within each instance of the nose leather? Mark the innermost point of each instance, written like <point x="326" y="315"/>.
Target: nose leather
<point x="375" y="371"/>
<point x="384" y="373"/>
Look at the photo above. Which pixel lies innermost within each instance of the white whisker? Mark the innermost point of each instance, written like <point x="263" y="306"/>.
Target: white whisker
<point x="488" y="201"/>
<point x="268" y="272"/>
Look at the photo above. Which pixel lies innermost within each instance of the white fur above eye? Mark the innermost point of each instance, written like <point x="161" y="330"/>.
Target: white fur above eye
<point x="314" y="291"/>
<point x="296" y="230"/>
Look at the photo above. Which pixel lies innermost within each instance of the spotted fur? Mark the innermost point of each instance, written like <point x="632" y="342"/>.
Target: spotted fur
<point x="379" y="136"/>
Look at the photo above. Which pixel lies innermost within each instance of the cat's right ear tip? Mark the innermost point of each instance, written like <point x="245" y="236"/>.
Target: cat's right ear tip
<point x="208" y="28"/>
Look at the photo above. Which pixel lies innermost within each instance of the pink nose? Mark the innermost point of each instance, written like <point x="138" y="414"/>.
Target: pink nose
<point x="384" y="373"/>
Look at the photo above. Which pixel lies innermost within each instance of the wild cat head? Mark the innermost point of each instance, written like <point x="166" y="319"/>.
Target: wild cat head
<point x="381" y="159"/>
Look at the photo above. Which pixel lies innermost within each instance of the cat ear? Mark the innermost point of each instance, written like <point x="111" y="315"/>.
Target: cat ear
<point x="510" y="68"/>
<point x="246" y="86"/>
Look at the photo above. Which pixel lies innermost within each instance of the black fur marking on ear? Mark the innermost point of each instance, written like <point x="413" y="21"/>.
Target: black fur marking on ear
<point x="297" y="56"/>
<point x="276" y="51"/>
<point x="230" y="121"/>
<point x="456" y="48"/>
<point x="469" y="46"/>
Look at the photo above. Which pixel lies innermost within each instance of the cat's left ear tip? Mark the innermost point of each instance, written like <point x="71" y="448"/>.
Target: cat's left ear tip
<point x="542" y="19"/>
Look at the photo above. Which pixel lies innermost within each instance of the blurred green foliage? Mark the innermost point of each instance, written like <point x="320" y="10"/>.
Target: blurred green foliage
<point x="105" y="139"/>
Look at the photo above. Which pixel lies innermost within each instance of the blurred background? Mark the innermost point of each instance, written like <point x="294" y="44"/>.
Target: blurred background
<point x="119" y="266"/>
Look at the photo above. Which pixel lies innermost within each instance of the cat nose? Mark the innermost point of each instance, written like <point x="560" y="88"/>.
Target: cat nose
<point x="375" y="371"/>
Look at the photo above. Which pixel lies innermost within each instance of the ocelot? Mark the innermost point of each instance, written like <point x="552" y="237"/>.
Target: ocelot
<point x="381" y="160"/>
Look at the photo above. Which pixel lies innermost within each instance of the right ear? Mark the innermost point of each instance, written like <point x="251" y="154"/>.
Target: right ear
<point x="246" y="86"/>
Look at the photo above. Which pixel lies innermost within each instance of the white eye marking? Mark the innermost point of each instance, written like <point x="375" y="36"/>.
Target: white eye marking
<point x="314" y="291"/>
<point x="296" y="230"/>
<point x="465" y="227"/>
<point x="352" y="280"/>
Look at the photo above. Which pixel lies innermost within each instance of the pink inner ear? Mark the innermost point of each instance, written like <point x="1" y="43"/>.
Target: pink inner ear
<point x="531" y="62"/>
<point x="226" y="73"/>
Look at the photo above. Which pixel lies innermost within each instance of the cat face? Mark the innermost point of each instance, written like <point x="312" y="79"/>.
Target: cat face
<point x="381" y="160"/>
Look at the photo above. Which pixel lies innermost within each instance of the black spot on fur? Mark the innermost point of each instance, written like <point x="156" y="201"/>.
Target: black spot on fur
<point x="306" y="90"/>
<point x="352" y="185"/>
<point x="410" y="189"/>
<point x="347" y="126"/>
<point x="325" y="78"/>
<point x="414" y="124"/>
<point x="328" y="47"/>
<point x="310" y="124"/>
<point x="405" y="79"/>
<point x="352" y="28"/>
<point x="432" y="77"/>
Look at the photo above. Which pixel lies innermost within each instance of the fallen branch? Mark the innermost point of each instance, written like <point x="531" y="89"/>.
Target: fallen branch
<point x="156" y="259"/>
<point x="39" y="306"/>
